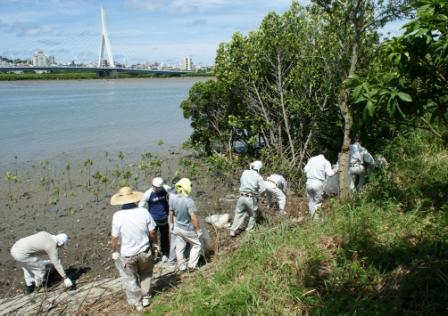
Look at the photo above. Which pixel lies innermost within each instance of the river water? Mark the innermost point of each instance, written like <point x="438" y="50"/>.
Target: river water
<point x="43" y="119"/>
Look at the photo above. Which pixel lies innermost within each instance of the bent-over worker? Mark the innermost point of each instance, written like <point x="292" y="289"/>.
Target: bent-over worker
<point x="28" y="252"/>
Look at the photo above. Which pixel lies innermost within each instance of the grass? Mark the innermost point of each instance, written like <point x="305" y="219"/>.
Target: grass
<point x="383" y="253"/>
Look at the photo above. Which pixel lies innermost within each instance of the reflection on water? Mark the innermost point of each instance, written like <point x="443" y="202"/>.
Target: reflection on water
<point x="41" y="119"/>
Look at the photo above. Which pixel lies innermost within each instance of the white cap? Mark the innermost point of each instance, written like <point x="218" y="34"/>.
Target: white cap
<point x="257" y="164"/>
<point x="61" y="240"/>
<point x="157" y="182"/>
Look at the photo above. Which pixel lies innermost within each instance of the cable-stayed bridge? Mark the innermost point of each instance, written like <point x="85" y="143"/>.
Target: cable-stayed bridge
<point x="106" y="65"/>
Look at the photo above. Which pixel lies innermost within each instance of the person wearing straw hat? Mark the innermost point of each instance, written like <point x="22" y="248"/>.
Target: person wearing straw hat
<point x="157" y="200"/>
<point x="133" y="232"/>
<point x="27" y="252"/>
<point x="184" y="224"/>
<point x="251" y="186"/>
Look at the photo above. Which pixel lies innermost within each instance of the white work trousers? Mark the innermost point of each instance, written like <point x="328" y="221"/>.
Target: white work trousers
<point x="273" y="190"/>
<point x="34" y="269"/>
<point x="314" y="190"/>
<point x="136" y="274"/>
<point x="182" y="238"/>
<point x="245" y="206"/>
<point x="172" y="257"/>
<point x="354" y="172"/>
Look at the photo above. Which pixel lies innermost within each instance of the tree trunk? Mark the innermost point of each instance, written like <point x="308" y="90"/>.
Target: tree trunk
<point x="344" y="156"/>
<point x="284" y="112"/>
<point x="348" y="122"/>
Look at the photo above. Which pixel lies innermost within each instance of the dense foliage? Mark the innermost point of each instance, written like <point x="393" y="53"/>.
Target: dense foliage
<point x="410" y="85"/>
<point x="272" y="90"/>
<point x="281" y="91"/>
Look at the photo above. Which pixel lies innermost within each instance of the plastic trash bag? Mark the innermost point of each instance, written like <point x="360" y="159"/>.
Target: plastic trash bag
<point x="331" y="185"/>
<point x="218" y="220"/>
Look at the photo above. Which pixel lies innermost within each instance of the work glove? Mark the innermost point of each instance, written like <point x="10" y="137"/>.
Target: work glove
<point x="68" y="283"/>
<point x="199" y="232"/>
<point x="115" y="256"/>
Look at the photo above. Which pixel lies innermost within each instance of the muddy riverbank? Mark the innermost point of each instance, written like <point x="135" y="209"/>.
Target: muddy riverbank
<point x="73" y="197"/>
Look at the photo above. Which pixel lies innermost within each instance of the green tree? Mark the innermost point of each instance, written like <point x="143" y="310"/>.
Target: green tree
<point x="411" y="87"/>
<point x="273" y="89"/>
<point x="354" y="24"/>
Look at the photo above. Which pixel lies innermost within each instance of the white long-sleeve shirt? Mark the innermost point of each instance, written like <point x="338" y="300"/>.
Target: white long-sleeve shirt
<point x="36" y="245"/>
<point x="318" y="168"/>
<point x="252" y="182"/>
<point x="359" y="155"/>
<point x="279" y="181"/>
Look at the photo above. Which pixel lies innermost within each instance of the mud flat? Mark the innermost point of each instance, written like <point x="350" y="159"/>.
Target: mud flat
<point x="72" y="196"/>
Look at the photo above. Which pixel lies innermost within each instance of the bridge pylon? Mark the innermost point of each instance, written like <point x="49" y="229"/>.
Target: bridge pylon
<point x="105" y="47"/>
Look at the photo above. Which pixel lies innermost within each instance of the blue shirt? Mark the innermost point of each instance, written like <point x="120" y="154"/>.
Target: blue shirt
<point x="157" y="204"/>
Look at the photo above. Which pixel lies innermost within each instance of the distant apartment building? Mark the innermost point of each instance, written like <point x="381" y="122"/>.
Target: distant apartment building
<point x="51" y="60"/>
<point x="40" y="59"/>
<point x="186" y="64"/>
<point x="4" y="63"/>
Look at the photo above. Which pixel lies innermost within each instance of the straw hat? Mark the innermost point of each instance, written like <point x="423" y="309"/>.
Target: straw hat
<point x="125" y="195"/>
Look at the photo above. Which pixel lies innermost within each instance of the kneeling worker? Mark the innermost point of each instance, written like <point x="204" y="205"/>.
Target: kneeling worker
<point x="27" y="252"/>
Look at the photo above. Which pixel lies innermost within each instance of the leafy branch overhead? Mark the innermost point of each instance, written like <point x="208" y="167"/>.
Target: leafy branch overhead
<point x="411" y="84"/>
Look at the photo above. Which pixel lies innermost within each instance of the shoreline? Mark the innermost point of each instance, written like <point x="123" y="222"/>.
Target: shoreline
<point x="93" y="76"/>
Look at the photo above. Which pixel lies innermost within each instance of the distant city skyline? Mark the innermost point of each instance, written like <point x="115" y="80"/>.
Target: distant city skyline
<point x="140" y="30"/>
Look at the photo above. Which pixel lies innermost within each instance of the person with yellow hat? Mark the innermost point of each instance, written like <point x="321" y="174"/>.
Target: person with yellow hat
<point x="133" y="234"/>
<point x="184" y="224"/>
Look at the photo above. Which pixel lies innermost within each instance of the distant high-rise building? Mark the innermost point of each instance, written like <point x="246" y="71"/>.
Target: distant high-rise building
<point x="51" y="60"/>
<point x="40" y="59"/>
<point x="186" y="64"/>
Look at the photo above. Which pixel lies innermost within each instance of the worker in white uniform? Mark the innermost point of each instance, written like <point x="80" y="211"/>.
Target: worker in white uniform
<point x="28" y="252"/>
<point x="251" y="186"/>
<point x="358" y="156"/>
<point x="134" y="246"/>
<point x="276" y="186"/>
<point x="317" y="169"/>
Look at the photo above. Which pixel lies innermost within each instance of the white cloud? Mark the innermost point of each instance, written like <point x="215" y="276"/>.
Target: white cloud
<point x="47" y="42"/>
<point x="178" y="7"/>
<point x="21" y="29"/>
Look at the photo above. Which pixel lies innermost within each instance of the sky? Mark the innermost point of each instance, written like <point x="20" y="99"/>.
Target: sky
<point x="139" y="30"/>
